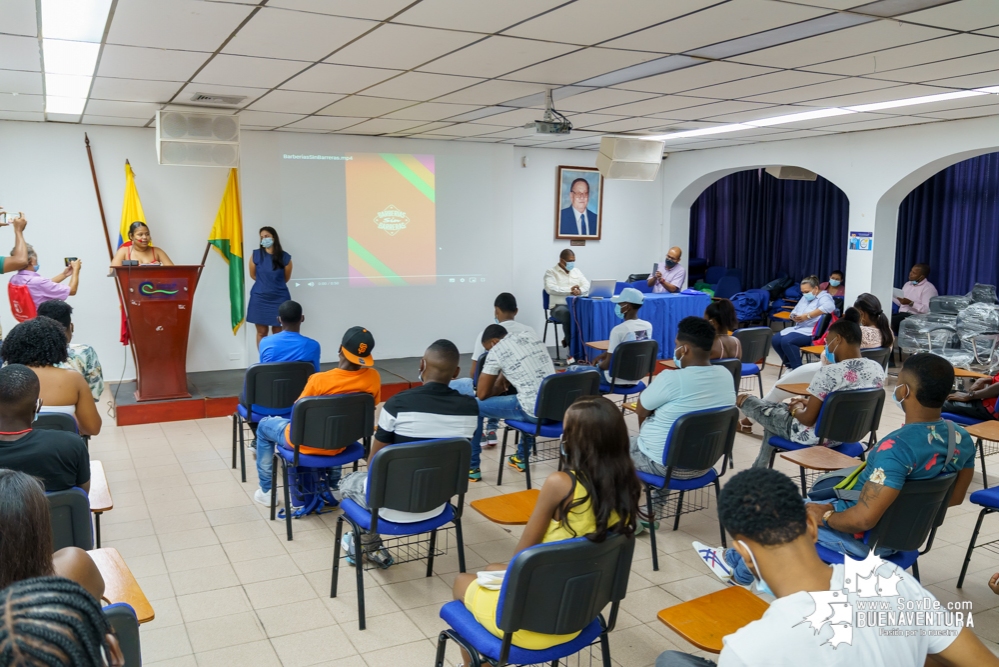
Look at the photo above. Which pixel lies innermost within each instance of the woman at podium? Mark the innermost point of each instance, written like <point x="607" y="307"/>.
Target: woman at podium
<point x="139" y="247"/>
<point x="270" y="271"/>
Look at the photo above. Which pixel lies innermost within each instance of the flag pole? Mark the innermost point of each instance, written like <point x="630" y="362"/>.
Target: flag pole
<point x="97" y="190"/>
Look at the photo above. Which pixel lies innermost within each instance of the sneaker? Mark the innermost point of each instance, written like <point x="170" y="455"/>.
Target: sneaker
<point x="347" y="544"/>
<point x="475" y="475"/>
<point x="263" y="497"/>
<point x="380" y="556"/>
<point x="516" y="463"/>
<point x="491" y="439"/>
<point x="714" y="558"/>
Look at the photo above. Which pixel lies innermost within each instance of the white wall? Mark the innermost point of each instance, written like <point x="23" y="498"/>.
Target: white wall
<point x="46" y="175"/>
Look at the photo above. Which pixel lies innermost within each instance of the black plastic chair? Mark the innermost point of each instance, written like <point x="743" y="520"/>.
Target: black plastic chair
<point x="126" y="628"/>
<point x="755" y="348"/>
<point x="549" y="320"/>
<point x="59" y="421"/>
<point x="696" y="441"/>
<point x="342" y="421"/>
<point x="269" y="390"/>
<point x="556" y="588"/>
<point x="413" y="477"/>
<point x="878" y="354"/>
<point x="845" y="417"/>
<point x="734" y="367"/>
<point x="556" y="394"/>
<point x="631" y="362"/>
<point x="70" y="514"/>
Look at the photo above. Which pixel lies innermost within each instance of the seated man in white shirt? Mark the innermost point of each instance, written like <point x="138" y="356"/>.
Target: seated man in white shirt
<point x="626" y="307"/>
<point x="763" y="511"/>
<point x="563" y="280"/>
<point x="670" y="277"/>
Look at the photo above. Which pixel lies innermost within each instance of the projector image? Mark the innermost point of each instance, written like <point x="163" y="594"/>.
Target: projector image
<point x="552" y="126"/>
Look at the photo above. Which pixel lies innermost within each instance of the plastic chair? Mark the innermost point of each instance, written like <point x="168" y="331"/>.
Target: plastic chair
<point x="728" y="286"/>
<point x="412" y="477"/>
<point x="846" y="417"/>
<point x="641" y="285"/>
<point x="696" y="441"/>
<point x="988" y="500"/>
<point x="755" y="347"/>
<point x="336" y="422"/>
<point x="911" y="520"/>
<point x="70" y="513"/>
<point x="59" y="421"/>
<point x="269" y="390"/>
<point x="714" y="274"/>
<point x="960" y="419"/>
<point x="734" y="367"/>
<point x="878" y="354"/>
<point x="619" y="285"/>
<point x="638" y="277"/>
<point x="556" y="393"/>
<point x="557" y="588"/>
<point x="126" y="628"/>
<point x="632" y="361"/>
<point x="549" y="320"/>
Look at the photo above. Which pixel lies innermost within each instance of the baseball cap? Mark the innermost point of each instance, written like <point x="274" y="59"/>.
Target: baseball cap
<point x="357" y="345"/>
<point x="629" y="295"/>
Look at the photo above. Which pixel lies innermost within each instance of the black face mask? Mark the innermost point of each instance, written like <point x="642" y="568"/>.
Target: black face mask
<point x="670" y="263"/>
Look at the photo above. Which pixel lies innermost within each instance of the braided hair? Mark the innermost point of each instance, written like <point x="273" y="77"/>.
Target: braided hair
<point x="51" y="622"/>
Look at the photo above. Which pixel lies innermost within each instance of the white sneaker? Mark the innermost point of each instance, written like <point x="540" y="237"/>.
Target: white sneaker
<point x="262" y="497"/>
<point x="714" y="558"/>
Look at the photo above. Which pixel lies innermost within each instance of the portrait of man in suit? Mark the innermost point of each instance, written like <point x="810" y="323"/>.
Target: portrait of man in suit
<point x="579" y="204"/>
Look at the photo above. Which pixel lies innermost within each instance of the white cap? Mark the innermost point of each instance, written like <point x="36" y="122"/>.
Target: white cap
<point x="629" y="295"/>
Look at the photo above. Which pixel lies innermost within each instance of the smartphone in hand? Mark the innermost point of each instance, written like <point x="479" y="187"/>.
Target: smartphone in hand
<point x="3" y="218"/>
<point x="68" y="260"/>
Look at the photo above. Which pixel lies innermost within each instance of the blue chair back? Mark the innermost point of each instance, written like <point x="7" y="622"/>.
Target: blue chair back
<point x="698" y="439"/>
<point x="274" y="388"/>
<point x="727" y="287"/>
<point x="332" y="422"/>
<point x="126" y="628"/>
<point x="618" y="286"/>
<point x="714" y="274"/>
<point x="544" y="301"/>
<point x="560" y="390"/>
<point x="70" y="514"/>
<point x="478" y="369"/>
<point x="849" y="415"/>
<point x="642" y="286"/>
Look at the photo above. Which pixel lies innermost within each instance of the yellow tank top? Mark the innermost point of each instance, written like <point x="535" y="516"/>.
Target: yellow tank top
<point x="582" y="520"/>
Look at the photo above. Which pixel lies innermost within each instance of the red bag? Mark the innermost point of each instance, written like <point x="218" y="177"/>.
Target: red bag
<point x="821" y="340"/>
<point x="21" y="303"/>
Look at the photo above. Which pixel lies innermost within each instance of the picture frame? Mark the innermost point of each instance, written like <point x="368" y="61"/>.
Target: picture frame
<point x="568" y="198"/>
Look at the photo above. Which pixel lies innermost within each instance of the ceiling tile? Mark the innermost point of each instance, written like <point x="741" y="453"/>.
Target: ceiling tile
<point x="278" y="33"/>
<point x="381" y="126"/>
<point x="134" y="62"/>
<point x="723" y="22"/>
<point x="292" y="101"/>
<point x="516" y="118"/>
<point x="401" y="47"/>
<point x="598" y="99"/>
<point x="962" y="103"/>
<point x="247" y="71"/>
<point x="963" y="15"/>
<point x="803" y="94"/>
<point x="631" y="125"/>
<point x="364" y="107"/>
<point x="431" y="111"/>
<point x="698" y="76"/>
<point x="133" y="90"/>
<point x="493" y="92"/>
<point x="657" y="105"/>
<point x="762" y="84"/>
<point x="475" y="16"/>
<point x="378" y="10"/>
<point x="92" y="119"/>
<point x="584" y="120"/>
<point x="268" y="118"/>
<point x="329" y="123"/>
<point x="20" y="53"/>
<point x="425" y="127"/>
<point x="874" y="36"/>
<point x="907" y="56"/>
<point x="512" y="133"/>
<point x="421" y="86"/>
<point x="580" y="65"/>
<point x="18" y="17"/>
<point x="972" y="112"/>
<point x="878" y="124"/>
<point x="461" y="129"/>
<point x="191" y="89"/>
<point x="870" y="97"/>
<point x="970" y="81"/>
<point x="11" y="102"/>
<point x="322" y="78"/>
<point x="589" y="21"/>
<point x="720" y="111"/>
<point x="990" y="31"/>
<point x="122" y="109"/>
<point x="24" y="83"/>
<point x="833" y="4"/>
<point x="31" y="116"/>
<point x="497" y="55"/>
<point x="983" y="62"/>
<point x="178" y="24"/>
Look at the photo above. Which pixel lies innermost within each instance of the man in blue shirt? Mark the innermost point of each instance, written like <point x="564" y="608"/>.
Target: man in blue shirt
<point x="290" y="345"/>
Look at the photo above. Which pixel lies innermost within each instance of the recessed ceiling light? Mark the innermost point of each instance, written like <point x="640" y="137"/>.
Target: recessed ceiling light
<point x="72" y="31"/>
<point x="704" y="131"/>
<point x="76" y="20"/>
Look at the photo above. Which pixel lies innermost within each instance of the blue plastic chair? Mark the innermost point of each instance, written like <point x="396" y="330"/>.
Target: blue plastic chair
<point x="549" y="320"/>
<point x="412" y="477"/>
<point x="696" y="441"/>
<point x="960" y="419"/>
<point x="70" y="514"/>
<point x="755" y="348"/>
<point x="988" y="500"/>
<point x="126" y="629"/>
<point x="557" y="588"/>
<point x="714" y="274"/>
<point x="642" y="286"/>
<point x="632" y="362"/>
<point x="619" y="285"/>
<point x="727" y="287"/>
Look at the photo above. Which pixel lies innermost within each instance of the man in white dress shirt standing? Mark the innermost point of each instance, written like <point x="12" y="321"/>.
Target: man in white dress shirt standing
<point x="563" y="280"/>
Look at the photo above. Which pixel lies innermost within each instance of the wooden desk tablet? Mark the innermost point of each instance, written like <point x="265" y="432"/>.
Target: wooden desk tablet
<point x="667" y="363"/>
<point x="509" y="509"/>
<point x="988" y="430"/>
<point x="120" y="585"/>
<point x="100" y="496"/>
<point x="782" y="315"/>
<point x="601" y="345"/>
<point x="705" y="620"/>
<point x="962" y="373"/>
<point x="819" y="458"/>
<point x="800" y="388"/>
<point x="817" y="350"/>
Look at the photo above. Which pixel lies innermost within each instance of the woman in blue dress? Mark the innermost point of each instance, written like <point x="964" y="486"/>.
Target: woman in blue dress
<point x="270" y="271"/>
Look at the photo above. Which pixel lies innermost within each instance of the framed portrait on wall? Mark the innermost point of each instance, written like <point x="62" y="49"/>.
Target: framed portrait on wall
<point x="578" y="203"/>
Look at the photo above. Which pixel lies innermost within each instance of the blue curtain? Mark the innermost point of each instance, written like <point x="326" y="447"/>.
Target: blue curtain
<point x="951" y="222"/>
<point x="765" y="226"/>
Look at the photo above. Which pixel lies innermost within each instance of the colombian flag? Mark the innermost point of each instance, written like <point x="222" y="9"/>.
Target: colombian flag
<point x="227" y="237"/>
<point x="131" y="209"/>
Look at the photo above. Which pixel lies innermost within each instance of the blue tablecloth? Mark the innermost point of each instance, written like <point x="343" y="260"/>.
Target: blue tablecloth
<point x="593" y="319"/>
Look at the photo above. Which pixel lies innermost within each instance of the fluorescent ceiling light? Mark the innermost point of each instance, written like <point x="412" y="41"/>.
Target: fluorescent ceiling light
<point x="718" y="129"/>
<point x="77" y="20"/>
<point x="927" y="99"/>
<point x="994" y="90"/>
<point x="67" y="85"/>
<point x="62" y="57"/>
<point x="797" y="117"/>
<point x="72" y="106"/>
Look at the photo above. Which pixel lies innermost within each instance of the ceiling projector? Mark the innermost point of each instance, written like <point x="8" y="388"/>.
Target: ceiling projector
<point x="552" y="122"/>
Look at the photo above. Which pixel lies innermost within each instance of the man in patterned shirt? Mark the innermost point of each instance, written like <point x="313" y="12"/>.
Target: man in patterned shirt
<point x="82" y="358"/>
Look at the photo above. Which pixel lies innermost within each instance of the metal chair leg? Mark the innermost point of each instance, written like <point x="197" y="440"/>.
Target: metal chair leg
<point x="274" y="464"/>
<point x="235" y="425"/>
<point x="650" y="511"/>
<point x="605" y="649"/>
<point x="502" y="462"/>
<point x="287" y="495"/>
<point x="527" y="456"/>
<point x="721" y="528"/>
<point x="359" y="567"/>
<point x="679" y="506"/>
<point x="981" y="456"/>
<point x="915" y="570"/>
<point x="335" y="579"/>
<point x="804" y="489"/>
<point x="242" y="452"/>
<point x="430" y="556"/>
<point x="971" y="546"/>
<point x="759" y="378"/>
<point x="459" y="536"/>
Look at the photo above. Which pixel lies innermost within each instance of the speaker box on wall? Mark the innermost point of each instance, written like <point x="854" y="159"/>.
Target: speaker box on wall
<point x="197" y="138"/>
<point x="786" y="173"/>
<point x="627" y="159"/>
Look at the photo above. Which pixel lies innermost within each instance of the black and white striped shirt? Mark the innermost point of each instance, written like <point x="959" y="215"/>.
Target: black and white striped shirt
<point x="433" y="410"/>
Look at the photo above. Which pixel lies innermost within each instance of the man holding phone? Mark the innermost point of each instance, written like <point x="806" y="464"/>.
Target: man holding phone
<point x="19" y="255"/>
<point x="669" y="276"/>
<point x="44" y="289"/>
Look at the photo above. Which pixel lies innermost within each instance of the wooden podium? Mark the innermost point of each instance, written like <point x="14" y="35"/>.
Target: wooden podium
<point x="158" y="302"/>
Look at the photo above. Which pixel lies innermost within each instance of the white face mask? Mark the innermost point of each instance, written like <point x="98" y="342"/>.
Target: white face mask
<point x="761" y="585"/>
<point x="898" y="401"/>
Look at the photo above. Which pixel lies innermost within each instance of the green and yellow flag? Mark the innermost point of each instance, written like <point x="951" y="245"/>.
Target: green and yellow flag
<point x="131" y="208"/>
<point x="227" y="237"/>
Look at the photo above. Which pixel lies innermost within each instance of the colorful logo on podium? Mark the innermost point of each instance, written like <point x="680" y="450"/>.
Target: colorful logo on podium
<point x="158" y="290"/>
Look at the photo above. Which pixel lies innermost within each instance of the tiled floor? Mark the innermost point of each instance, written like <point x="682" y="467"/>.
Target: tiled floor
<point x="228" y="589"/>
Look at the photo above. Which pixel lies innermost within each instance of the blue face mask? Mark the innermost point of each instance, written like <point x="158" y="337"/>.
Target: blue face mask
<point x="35" y="268"/>
<point x="678" y="360"/>
<point x="898" y="401"/>
<point x="835" y="283"/>
<point x="267" y="242"/>
<point x="830" y="357"/>
<point x="617" y="311"/>
<point x="914" y="282"/>
<point x="496" y="320"/>
<point x="808" y="296"/>
<point x="761" y="585"/>
<point x="569" y="266"/>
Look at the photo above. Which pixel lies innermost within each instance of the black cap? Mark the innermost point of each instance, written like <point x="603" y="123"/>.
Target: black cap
<point x="357" y="345"/>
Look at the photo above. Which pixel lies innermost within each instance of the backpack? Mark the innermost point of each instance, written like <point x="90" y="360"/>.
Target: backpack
<point x="777" y="286"/>
<point x="21" y="304"/>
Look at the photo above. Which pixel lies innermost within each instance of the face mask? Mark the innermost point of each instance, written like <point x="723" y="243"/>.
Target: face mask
<point x="420" y="375"/>
<point x="496" y="320"/>
<point x="678" y="360"/>
<point x="914" y="282"/>
<point x="267" y="242"/>
<point x="834" y="282"/>
<point x="808" y="296"/>
<point x="35" y="268"/>
<point x="561" y="448"/>
<point x="761" y="585"/>
<point x="617" y="311"/>
<point x="829" y="355"/>
<point x="897" y="400"/>
<point x="670" y="263"/>
<point x="569" y="266"/>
